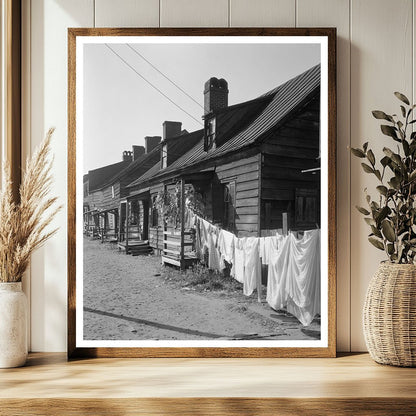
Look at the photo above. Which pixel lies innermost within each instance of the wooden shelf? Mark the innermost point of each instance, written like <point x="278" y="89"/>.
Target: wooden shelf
<point x="347" y="385"/>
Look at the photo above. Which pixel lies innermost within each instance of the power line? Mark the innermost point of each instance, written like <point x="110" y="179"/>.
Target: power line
<point x="165" y="76"/>
<point x="152" y="85"/>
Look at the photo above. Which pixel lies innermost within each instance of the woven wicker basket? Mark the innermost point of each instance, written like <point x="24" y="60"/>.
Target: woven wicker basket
<point x="389" y="317"/>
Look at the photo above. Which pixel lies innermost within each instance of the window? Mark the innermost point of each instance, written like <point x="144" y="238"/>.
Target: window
<point x="112" y="192"/>
<point x="210" y="128"/>
<point x="164" y="156"/>
<point x="229" y="206"/>
<point x="307" y="208"/>
<point x="154" y="214"/>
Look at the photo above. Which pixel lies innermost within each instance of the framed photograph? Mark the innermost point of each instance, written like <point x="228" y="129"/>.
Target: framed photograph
<point x="202" y="183"/>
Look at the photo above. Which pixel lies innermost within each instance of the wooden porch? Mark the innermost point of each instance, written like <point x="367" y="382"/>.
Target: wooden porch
<point x="179" y="243"/>
<point x="133" y="228"/>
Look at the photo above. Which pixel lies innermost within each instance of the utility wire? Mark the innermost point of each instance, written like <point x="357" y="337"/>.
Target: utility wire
<point x="152" y="85"/>
<point x="165" y="76"/>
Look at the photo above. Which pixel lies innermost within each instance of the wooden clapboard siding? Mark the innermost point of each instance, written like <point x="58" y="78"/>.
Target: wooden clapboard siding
<point x="277" y="194"/>
<point x="95" y="198"/>
<point x="245" y="173"/>
<point x="291" y="162"/>
<point x="251" y="193"/>
<point x="288" y="173"/>
<point x="108" y="201"/>
<point x="299" y="140"/>
<point x="246" y="219"/>
<point x="273" y="184"/>
<point x="288" y="151"/>
<point x="249" y="202"/>
<point x="244" y="186"/>
<point x="247" y="210"/>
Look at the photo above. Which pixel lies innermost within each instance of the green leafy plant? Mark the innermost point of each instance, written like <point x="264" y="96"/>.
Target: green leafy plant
<point x="168" y="204"/>
<point x="392" y="216"/>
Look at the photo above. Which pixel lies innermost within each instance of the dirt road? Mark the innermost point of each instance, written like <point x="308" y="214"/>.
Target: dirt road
<point x="125" y="298"/>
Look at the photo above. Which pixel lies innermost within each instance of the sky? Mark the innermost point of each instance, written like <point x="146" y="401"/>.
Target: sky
<point x="120" y="108"/>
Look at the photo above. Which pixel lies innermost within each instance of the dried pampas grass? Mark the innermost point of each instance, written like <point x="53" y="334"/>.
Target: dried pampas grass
<point x="24" y="225"/>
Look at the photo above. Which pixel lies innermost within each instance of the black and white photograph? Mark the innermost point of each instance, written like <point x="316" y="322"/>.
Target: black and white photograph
<point x="203" y="220"/>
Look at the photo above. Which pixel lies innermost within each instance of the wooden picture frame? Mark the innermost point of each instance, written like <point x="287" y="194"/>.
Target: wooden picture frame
<point x="327" y="37"/>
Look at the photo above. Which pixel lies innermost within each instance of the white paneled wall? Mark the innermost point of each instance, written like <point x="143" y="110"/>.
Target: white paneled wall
<point x="375" y="56"/>
<point x="262" y="13"/>
<point x="381" y="63"/>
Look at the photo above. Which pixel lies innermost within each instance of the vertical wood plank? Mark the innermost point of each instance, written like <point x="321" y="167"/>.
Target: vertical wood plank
<point x="262" y="13"/>
<point x="193" y="13"/>
<point x="127" y="13"/>
<point x="381" y="63"/>
<point x="13" y="46"/>
<point x="49" y="22"/>
<point x="330" y="13"/>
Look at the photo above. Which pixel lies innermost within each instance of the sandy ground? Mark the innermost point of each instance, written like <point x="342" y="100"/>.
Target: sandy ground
<point x="125" y="298"/>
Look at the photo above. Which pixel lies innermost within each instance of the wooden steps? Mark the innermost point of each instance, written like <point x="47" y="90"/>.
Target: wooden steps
<point x="140" y="250"/>
<point x="136" y="247"/>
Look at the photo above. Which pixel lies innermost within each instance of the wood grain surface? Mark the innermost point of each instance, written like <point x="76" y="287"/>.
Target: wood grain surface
<point x="13" y="91"/>
<point x="347" y="385"/>
<point x="329" y="351"/>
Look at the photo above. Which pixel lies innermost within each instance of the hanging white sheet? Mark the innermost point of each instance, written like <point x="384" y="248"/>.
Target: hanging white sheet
<point x="252" y="265"/>
<point x="268" y="247"/>
<point x="294" y="277"/>
<point x="239" y="259"/>
<point x="226" y="248"/>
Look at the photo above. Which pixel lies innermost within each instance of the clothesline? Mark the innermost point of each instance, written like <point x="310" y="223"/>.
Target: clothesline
<point x="293" y="281"/>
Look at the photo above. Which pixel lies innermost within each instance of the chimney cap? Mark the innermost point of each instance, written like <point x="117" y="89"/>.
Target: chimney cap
<point x="171" y="129"/>
<point x="215" y="83"/>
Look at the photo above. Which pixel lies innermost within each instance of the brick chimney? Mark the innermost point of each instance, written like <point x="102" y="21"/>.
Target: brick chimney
<point x="171" y="129"/>
<point x="150" y="142"/>
<point x="137" y="151"/>
<point x="215" y="95"/>
<point x="127" y="156"/>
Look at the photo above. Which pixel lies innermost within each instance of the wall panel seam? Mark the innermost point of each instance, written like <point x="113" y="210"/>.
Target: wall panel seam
<point x="349" y="173"/>
<point x="296" y="13"/>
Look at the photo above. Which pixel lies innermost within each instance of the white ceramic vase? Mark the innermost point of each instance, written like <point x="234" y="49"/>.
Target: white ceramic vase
<point x="13" y="325"/>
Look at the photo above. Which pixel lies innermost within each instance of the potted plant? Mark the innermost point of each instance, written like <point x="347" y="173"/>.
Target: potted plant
<point x="389" y="317"/>
<point x="23" y="228"/>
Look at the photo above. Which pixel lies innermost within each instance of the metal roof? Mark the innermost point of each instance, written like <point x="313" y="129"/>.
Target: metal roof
<point x="246" y="123"/>
<point x="177" y="147"/>
<point x="97" y="178"/>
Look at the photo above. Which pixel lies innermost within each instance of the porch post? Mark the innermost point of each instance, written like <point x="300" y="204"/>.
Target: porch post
<point x="127" y="225"/>
<point x="182" y="252"/>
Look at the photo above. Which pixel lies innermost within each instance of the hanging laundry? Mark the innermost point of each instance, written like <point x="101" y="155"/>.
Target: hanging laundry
<point x="214" y="255"/>
<point x="198" y="248"/>
<point x="239" y="260"/>
<point x="226" y="247"/>
<point x="304" y="288"/>
<point x="279" y="266"/>
<point x="205" y="228"/>
<point x="294" y="276"/>
<point x="268" y="247"/>
<point x="252" y="265"/>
